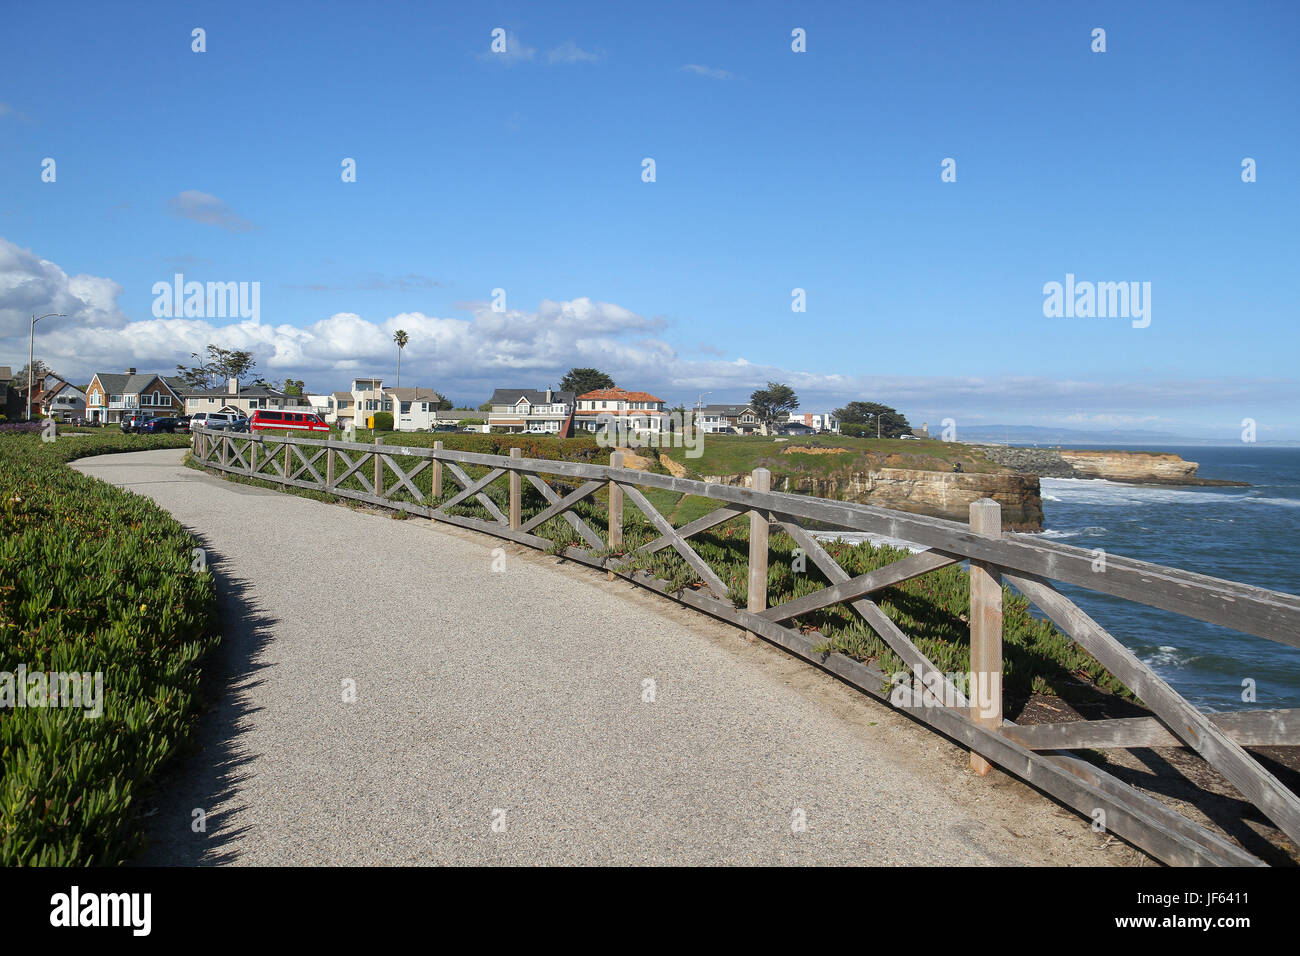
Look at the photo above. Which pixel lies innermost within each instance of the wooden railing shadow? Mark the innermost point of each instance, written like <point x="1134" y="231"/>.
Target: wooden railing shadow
<point x="1044" y="755"/>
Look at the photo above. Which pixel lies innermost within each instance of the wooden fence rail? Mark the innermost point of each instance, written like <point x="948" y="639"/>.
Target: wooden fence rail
<point x="384" y="475"/>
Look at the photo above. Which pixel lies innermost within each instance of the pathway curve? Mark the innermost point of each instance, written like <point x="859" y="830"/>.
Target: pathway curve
<point x="517" y="696"/>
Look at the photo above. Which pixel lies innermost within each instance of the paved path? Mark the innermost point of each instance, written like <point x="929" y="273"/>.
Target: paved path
<point x="519" y="695"/>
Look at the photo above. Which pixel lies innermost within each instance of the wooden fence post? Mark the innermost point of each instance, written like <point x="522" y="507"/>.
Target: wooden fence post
<point x="758" y="522"/>
<point x="288" y="461"/>
<point x="615" y="507"/>
<point x="516" y="491"/>
<point x="379" y="468"/>
<point x="329" y="462"/>
<point x="985" y="692"/>
<point x="437" y="473"/>
<point x="252" y="455"/>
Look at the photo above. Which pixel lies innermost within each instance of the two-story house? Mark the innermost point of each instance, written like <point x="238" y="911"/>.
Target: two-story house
<point x="636" y="411"/>
<point x="540" y="411"/>
<point x="59" y="401"/>
<point x="240" y="399"/>
<point x="110" y="396"/>
<point x="728" y="419"/>
<point x="818" y="421"/>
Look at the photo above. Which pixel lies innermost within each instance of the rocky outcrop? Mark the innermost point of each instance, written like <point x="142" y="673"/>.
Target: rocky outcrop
<point x="935" y="493"/>
<point x="1134" y="467"/>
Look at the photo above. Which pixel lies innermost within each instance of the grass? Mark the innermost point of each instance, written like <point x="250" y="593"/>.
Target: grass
<point x="933" y="609"/>
<point x="92" y="579"/>
<point x="741" y="454"/>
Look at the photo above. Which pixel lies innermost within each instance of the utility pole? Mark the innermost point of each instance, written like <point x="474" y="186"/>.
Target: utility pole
<point x="31" y="347"/>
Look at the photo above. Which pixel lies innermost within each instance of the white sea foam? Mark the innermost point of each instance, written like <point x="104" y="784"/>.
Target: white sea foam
<point x="1098" y="491"/>
<point x="858" y="537"/>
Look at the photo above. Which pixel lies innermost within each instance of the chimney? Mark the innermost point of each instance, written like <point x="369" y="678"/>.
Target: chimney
<point x="130" y="371"/>
<point x="232" y="387"/>
<point x="548" y="396"/>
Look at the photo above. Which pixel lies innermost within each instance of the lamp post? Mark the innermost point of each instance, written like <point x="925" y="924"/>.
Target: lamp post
<point x="31" y="347"/>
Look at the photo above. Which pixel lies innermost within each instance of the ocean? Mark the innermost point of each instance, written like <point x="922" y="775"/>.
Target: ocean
<point x="1251" y="535"/>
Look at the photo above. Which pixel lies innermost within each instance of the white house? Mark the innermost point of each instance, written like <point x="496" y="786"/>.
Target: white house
<point x="532" y="410"/>
<point x="821" y="421"/>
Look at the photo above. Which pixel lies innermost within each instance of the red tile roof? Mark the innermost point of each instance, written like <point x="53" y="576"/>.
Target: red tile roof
<point x="619" y="394"/>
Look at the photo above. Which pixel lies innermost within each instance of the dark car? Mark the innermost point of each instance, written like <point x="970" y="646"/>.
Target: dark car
<point x="133" y="422"/>
<point x="444" y="428"/>
<point x="154" y="426"/>
<point x="238" y="425"/>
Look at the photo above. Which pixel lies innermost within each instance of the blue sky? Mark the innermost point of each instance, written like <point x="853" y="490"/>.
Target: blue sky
<point x="775" y="170"/>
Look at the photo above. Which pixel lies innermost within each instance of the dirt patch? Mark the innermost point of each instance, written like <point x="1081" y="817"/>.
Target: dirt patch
<point x="633" y="461"/>
<point x="807" y="450"/>
<point x="676" y="469"/>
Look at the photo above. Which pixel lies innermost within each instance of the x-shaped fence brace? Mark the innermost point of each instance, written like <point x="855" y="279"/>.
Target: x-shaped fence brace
<point x="1039" y="753"/>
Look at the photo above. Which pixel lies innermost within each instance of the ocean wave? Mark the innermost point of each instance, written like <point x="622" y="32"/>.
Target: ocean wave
<point x="1099" y="491"/>
<point x="1091" y="531"/>
<point x="860" y="537"/>
<point x="1280" y="502"/>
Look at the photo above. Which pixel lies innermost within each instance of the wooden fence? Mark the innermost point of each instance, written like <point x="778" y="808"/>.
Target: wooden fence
<point x="1040" y="754"/>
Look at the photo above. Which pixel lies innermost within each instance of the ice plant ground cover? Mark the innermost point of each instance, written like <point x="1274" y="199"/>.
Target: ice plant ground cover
<point x="93" y="580"/>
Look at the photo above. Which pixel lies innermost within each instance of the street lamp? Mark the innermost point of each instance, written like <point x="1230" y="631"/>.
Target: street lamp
<point x="31" y="345"/>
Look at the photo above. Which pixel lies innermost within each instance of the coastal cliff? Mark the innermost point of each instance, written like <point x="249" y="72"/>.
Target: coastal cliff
<point x="1133" y="467"/>
<point x="934" y="493"/>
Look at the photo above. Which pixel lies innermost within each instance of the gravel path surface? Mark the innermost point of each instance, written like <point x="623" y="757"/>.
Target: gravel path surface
<point x="499" y="717"/>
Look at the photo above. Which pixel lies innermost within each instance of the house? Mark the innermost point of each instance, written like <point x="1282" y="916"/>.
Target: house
<point x="817" y="421"/>
<point x="729" y="419"/>
<point x="59" y="401"/>
<point x="238" y="399"/>
<point x="543" y="411"/>
<point x="11" y="403"/>
<point x="413" y="409"/>
<point x="109" y="396"/>
<point x="638" y="412"/>
<point x="923" y="431"/>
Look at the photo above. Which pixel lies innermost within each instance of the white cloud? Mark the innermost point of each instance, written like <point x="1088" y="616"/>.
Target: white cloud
<point x="30" y="285"/>
<point x="708" y="71"/>
<point x="570" y="52"/>
<point x="208" y="209"/>
<point x="468" y="357"/>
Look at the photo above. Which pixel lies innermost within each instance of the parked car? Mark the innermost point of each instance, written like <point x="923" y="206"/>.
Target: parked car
<point x="213" y="420"/>
<point x="470" y="428"/>
<point x="154" y="426"/>
<point x="239" y="425"/>
<point x="906" y="437"/>
<point x="134" y="422"/>
<point x="443" y="428"/>
<point x="267" y="418"/>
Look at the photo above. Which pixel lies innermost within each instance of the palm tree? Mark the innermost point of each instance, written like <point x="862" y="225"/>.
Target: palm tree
<point x="401" y="338"/>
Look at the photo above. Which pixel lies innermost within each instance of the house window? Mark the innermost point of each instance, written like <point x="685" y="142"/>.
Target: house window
<point x="406" y="408"/>
<point x="388" y="405"/>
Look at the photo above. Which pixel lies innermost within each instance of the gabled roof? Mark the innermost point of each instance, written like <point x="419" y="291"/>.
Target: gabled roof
<point x="416" y="394"/>
<point x="619" y="394"/>
<point x="509" y="396"/>
<point x="245" y="391"/>
<point x="115" y="384"/>
<point x="728" y="410"/>
<point x="6" y="373"/>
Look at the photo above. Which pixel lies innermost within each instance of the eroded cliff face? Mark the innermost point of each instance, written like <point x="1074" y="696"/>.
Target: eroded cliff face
<point x="1131" y="466"/>
<point x="934" y="493"/>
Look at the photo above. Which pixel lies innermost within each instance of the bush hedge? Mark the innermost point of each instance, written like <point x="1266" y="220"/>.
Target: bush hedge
<point x="92" y="579"/>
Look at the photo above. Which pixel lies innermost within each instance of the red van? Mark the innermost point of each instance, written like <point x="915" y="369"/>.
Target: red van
<point x="264" y="418"/>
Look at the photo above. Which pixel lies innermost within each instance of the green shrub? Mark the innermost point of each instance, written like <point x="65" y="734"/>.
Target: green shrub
<point x="92" y="579"/>
<point x="383" y="421"/>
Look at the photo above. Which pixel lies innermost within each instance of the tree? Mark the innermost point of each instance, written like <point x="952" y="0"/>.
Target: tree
<point x="486" y="406"/>
<point x="42" y="370"/>
<point x="680" y="421"/>
<point x="878" y="420"/>
<point x="771" y="403"/>
<point x="443" y="403"/>
<point x="295" y="386"/>
<point x="579" y="381"/>
<point x="401" y="338"/>
<point x="221" y="365"/>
